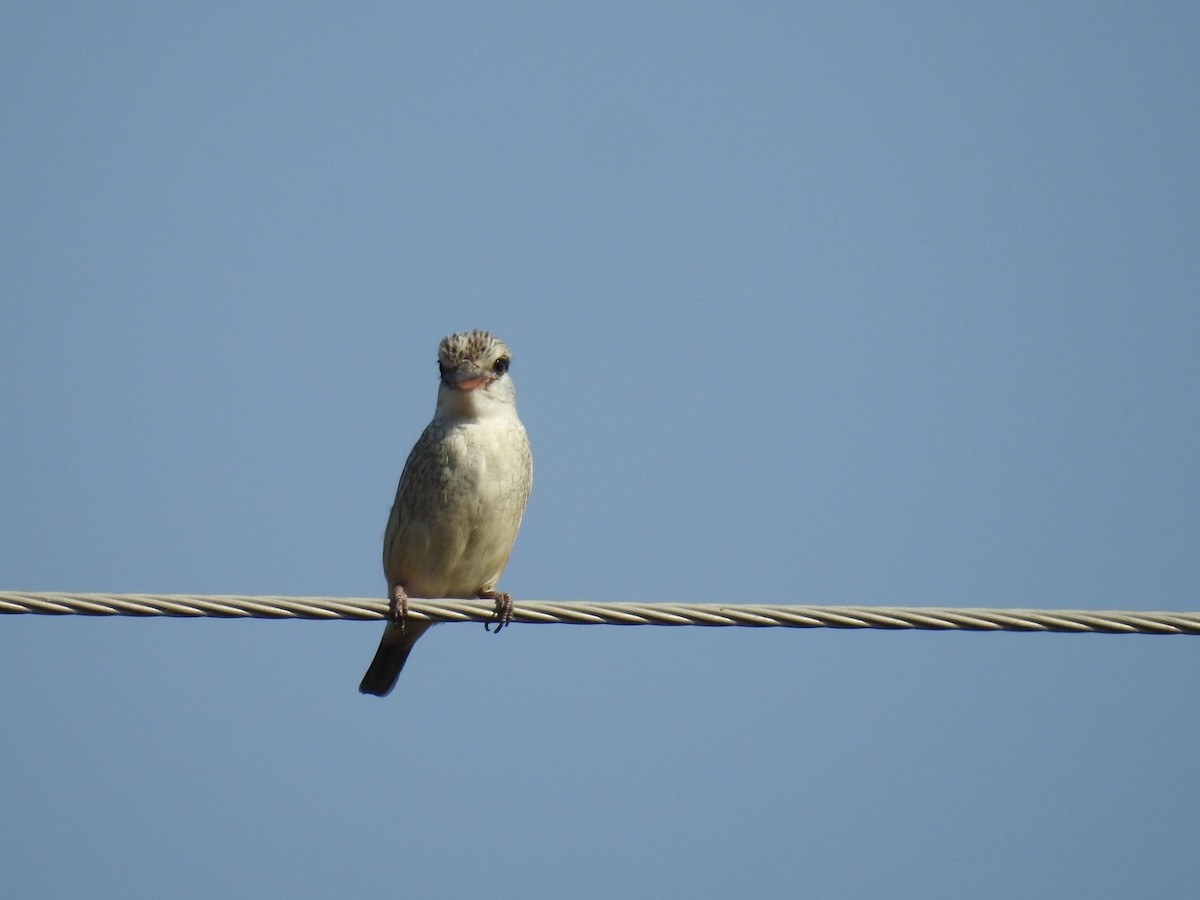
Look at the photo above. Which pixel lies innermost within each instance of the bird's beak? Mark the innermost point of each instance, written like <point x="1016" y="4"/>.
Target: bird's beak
<point x="468" y="378"/>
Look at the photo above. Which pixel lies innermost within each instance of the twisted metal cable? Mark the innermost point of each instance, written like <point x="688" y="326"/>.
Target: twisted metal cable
<point x="574" y="613"/>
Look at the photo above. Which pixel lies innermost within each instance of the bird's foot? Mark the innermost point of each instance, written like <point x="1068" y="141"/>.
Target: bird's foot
<point x="503" y="613"/>
<point x="398" y="606"/>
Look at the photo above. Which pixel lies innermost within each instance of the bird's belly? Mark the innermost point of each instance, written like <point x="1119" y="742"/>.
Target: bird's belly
<point x="458" y="532"/>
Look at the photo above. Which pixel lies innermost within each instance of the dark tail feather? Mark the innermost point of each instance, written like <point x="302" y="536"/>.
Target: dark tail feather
<point x="389" y="659"/>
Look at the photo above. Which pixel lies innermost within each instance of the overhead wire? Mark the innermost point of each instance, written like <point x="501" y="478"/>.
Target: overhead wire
<point x="751" y="615"/>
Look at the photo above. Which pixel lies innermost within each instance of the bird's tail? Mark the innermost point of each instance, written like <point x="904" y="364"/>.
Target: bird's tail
<point x="394" y="647"/>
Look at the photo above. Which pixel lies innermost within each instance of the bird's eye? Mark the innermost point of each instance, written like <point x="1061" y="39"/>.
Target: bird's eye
<point x="500" y="366"/>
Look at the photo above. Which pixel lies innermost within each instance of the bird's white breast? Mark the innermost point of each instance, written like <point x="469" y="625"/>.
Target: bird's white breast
<point x="459" y="506"/>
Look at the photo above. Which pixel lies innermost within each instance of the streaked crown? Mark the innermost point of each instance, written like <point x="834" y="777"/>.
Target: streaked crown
<point x="480" y="348"/>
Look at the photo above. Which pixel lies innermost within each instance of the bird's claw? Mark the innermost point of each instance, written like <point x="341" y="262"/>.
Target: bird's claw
<point x="503" y="613"/>
<point x="398" y="607"/>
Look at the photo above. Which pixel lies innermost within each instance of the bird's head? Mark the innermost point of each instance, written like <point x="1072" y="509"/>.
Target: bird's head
<point x="474" y="375"/>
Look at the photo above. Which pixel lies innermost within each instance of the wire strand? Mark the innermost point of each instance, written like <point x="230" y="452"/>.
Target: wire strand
<point x="576" y="613"/>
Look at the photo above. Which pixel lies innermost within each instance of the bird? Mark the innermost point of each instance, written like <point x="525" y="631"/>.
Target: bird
<point x="460" y="500"/>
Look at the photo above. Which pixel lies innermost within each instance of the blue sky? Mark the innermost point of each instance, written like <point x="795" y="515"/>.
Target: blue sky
<point x="812" y="303"/>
